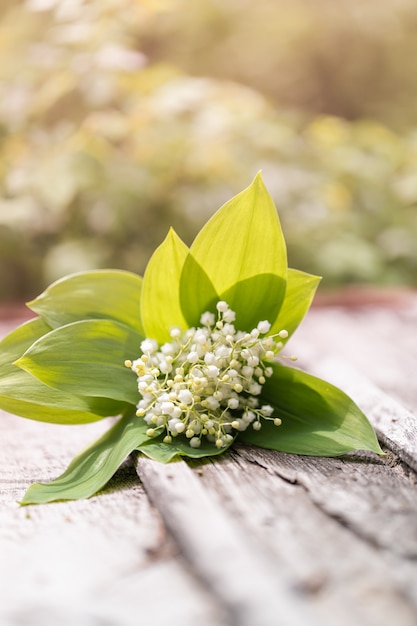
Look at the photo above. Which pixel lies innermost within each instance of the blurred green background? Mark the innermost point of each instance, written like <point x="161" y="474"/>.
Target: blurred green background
<point x="120" y="118"/>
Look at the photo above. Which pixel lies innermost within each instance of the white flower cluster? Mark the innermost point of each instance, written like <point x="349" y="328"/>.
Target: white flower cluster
<point x="206" y="382"/>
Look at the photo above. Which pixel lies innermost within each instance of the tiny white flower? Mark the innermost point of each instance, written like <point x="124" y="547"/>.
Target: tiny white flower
<point x="222" y="306"/>
<point x="211" y="403"/>
<point x="166" y="368"/>
<point x="210" y="358"/>
<point x="149" y="346"/>
<point x="233" y="403"/>
<point x="185" y="396"/>
<point x="167" y="407"/>
<point x="207" y="319"/>
<point x="200" y="337"/>
<point x="229" y="316"/>
<point x="167" y="349"/>
<point x="192" y="357"/>
<point x="212" y="371"/>
<point x="264" y="327"/>
<point x="223" y="352"/>
<point x="247" y="371"/>
<point x="255" y="389"/>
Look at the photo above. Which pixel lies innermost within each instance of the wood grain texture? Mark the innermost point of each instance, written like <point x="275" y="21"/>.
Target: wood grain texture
<point x="254" y="538"/>
<point x="312" y="516"/>
<point x="100" y="561"/>
<point x="379" y="343"/>
<point x="246" y="580"/>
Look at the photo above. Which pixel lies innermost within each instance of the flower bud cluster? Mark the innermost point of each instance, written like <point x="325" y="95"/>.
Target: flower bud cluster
<point x="206" y="381"/>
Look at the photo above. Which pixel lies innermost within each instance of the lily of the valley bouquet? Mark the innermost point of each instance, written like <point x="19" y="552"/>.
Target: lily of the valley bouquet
<point x="189" y="358"/>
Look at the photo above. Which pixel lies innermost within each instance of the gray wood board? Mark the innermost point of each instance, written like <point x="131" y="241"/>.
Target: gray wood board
<point x="103" y="561"/>
<point x="253" y="538"/>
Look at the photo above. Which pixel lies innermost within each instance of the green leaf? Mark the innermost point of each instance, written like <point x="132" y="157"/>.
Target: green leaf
<point x="166" y="452"/>
<point x="160" y="306"/>
<point x="93" y="467"/>
<point x="197" y="293"/>
<point x="86" y="358"/>
<point x="318" y="419"/>
<point x="299" y="295"/>
<point x="107" y="294"/>
<point x="262" y="288"/>
<point x="243" y="239"/>
<point x="24" y="395"/>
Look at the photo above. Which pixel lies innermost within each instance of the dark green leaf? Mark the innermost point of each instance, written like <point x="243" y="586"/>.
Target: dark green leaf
<point x="94" y="466"/>
<point x="166" y="452"/>
<point x="258" y="297"/>
<point x="197" y="293"/>
<point x="317" y="418"/>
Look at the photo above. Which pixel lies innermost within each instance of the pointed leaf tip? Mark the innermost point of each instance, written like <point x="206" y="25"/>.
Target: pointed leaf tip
<point x="241" y="242"/>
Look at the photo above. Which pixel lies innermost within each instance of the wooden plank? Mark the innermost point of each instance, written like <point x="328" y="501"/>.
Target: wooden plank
<point x="254" y="538"/>
<point x="244" y="578"/>
<point x="313" y="517"/>
<point x="106" y="560"/>
<point x="380" y="343"/>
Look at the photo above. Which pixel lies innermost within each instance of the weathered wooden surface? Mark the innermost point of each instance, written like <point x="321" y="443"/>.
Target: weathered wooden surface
<point x="254" y="538"/>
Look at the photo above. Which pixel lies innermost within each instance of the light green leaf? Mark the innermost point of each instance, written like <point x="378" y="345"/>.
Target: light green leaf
<point x="299" y="295"/>
<point x="94" y="466"/>
<point x="243" y="239"/>
<point x="86" y="358"/>
<point x="318" y="419"/>
<point x="160" y="305"/>
<point x="164" y="452"/>
<point x="24" y="395"/>
<point x="107" y="294"/>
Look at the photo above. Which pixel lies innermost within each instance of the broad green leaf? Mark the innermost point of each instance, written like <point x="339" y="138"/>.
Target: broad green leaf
<point x="94" y="466"/>
<point x="299" y="295"/>
<point x="263" y="290"/>
<point x="24" y="395"/>
<point x="243" y="239"/>
<point x="107" y="294"/>
<point x="160" y="304"/>
<point x="164" y="452"/>
<point x="197" y="293"/>
<point x="86" y="358"/>
<point x="318" y="419"/>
